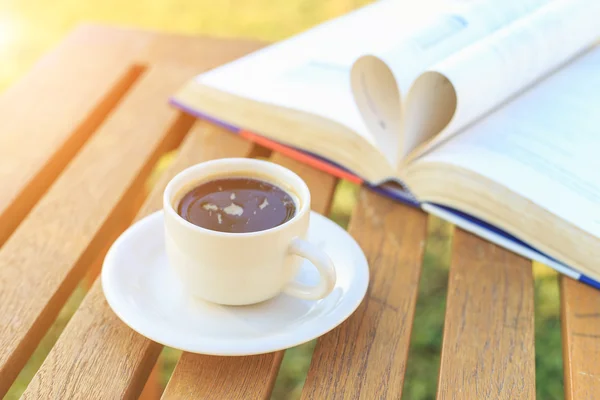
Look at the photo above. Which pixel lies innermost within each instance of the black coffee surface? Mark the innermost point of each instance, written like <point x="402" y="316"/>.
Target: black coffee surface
<point x="237" y="205"/>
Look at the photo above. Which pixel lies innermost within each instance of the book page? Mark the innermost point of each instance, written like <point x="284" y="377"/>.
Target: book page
<point x="543" y="146"/>
<point x="380" y="80"/>
<point x="463" y="87"/>
<point x="310" y="72"/>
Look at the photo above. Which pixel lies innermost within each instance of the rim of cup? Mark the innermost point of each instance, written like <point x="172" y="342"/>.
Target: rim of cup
<point x="244" y="165"/>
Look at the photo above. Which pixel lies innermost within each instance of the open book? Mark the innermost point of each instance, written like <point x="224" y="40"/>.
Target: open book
<point x="482" y="112"/>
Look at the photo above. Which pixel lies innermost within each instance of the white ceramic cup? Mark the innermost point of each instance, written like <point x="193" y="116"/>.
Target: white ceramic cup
<point x="243" y="268"/>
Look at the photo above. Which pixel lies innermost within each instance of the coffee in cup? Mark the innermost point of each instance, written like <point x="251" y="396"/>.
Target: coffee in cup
<point x="237" y="204"/>
<point x="235" y="232"/>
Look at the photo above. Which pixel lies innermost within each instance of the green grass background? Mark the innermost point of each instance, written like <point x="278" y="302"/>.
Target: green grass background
<point x="28" y="28"/>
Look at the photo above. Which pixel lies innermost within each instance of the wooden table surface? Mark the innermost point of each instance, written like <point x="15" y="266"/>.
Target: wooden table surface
<point x="79" y="136"/>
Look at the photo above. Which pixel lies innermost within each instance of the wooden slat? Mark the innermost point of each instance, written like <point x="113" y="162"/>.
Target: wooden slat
<point x="174" y="49"/>
<point x="488" y="345"/>
<point x="366" y="356"/>
<point x="49" y="114"/>
<point x="97" y="356"/>
<point x="204" y="377"/>
<point x="86" y="207"/>
<point x="152" y="47"/>
<point x="581" y="339"/>
<point x="208" y="377"/>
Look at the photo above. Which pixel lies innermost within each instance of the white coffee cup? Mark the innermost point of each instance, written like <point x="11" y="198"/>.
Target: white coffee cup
<point x="243" y="268"/>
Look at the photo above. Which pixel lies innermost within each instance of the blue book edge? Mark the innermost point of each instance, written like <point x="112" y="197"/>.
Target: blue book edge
<point x="504" y="239"/>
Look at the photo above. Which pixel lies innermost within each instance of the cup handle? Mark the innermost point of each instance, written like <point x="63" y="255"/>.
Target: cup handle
<point x="323" y="264"/>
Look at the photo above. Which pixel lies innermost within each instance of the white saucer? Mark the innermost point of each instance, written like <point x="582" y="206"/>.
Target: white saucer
<point x="143" y="291"/>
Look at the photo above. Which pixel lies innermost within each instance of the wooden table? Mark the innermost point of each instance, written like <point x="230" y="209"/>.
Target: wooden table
<point x="79" y="136"/>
